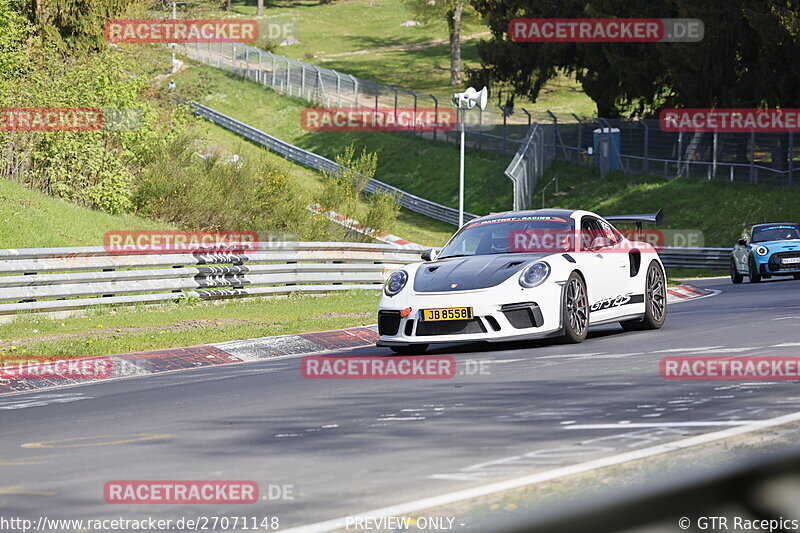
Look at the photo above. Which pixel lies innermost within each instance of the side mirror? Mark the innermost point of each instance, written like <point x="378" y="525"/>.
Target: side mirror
<point x="742" y="242"/>
<point x="429" y="255"/>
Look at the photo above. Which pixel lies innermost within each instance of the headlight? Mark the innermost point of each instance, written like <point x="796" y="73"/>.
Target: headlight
<point x="395" y="283"/>
<point x="762" y="250"/>
<point x="534" y="275"/>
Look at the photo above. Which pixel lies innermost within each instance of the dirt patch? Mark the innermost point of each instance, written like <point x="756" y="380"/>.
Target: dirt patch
<point x="182" y="325"/>
<point x="331" y="314"/>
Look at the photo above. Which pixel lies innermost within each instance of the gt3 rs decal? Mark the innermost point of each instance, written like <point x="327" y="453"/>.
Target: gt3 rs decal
<point x="618" y="301"/>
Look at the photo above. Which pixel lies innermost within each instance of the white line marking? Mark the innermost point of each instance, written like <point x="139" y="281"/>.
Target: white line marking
<point x="786" y="345"/>
<point x="663" y="424"/>
<point x="541" y="477"/>
<point x="695" y="349"/>
<point x="786" y="317"/>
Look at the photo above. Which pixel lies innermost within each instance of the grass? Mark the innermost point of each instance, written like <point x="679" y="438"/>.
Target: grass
<point x="409" y="225"/>
<point x="719" y="209"/>
<point x="30" y="219"/>
<point x="418" y="166"/>
<point x="112" y="330"/>
<point x="326" y="32"/>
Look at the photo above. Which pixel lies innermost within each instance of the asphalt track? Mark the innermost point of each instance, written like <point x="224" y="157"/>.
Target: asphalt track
<point x="347" y="446"/>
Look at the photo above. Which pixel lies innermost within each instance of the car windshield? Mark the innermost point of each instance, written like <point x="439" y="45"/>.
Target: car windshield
<point x="783" y="232"/>
<point x="517" y="234"/>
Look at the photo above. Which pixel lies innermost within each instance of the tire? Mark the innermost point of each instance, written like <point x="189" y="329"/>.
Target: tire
<point x="412" y="349"/>
<point x="736" y="277"/>
<point x="575" y="309"/>
<point x="752" y="271"/>
<point x="655" y="301"/>
<point x="796" y="276"/>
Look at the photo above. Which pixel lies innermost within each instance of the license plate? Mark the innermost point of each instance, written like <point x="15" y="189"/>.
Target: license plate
<point x="791" y="261"/>
<point x="451" y="313"/>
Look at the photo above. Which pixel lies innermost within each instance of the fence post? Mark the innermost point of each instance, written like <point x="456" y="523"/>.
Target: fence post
<point x="503" y="110"/>
<point x="274" y="68"/>
<point x="435" y="111"/>
<point x="752" y="157"/>
<point x="288" y="76"/>
<point x="355" y="89"/>
<point x="790" y="157"/>
<point x="528" y="115"/>
<point x="338" y="89"/>
<point x="233" y="60"/>
<point x="480" y="128"/>
<point x="415" y="111"/>
<point x="260" y="76"/>
<point x="680" y="153"/>
<point x="714" y="166"/>
<point x="302" y="79"/>
<point x="579" y="140"/>
<point x="558" y="135"/>
<point x="246" y="61"/>
<point x="646" y="155"/>
<point x="394" y="89"/>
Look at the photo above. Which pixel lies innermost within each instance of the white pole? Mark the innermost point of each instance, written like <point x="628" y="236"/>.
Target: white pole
<point x="461" y="177"/>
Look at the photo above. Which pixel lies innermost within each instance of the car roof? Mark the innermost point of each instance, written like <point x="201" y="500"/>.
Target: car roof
<point x="768" y="224"/>
<point x="562" y="213"/>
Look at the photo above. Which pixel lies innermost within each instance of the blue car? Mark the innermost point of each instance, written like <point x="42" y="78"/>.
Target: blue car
<point x="767" y="250"/>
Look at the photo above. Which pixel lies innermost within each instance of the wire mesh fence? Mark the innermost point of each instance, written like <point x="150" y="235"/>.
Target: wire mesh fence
<point x="632" y="146"/>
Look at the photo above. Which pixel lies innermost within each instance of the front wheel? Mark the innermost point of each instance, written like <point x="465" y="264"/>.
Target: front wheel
<point x="736" y="277"/>
<point x="575" y="309"/>
<point x="655" y="301"/>
<point x="752" y="271"/>
<point x="412" y="349"/>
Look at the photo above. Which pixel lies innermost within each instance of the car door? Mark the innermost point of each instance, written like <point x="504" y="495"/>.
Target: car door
<point x="604" y="266"/>
<point x="741" y="251"/>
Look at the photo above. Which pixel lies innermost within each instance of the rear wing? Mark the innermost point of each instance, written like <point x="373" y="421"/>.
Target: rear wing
<point x="655" y="218"/>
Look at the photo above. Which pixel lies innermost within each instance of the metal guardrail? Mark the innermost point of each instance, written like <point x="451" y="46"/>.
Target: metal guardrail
<point x="717" y="258"/>
<point x="317" y="162"/>
<point x="61" y="279"/>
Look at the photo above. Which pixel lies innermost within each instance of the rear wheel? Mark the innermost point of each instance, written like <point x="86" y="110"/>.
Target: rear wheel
<point x="736" y="277"/>
<point x="752" y="271"/>
<point x="655" y="301"/>
<point x="412" y="349"/>
<point x="575" y="309"/>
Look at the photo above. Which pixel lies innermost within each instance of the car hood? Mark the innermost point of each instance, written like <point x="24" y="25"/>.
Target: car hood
<point x="470" y="273"/>
<point x="779" y="246"/>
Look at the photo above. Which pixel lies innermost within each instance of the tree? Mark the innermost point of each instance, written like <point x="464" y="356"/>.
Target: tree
<point x="456" y="13"/>
<point x="741" y="62"/>
<point x="225" y="5"/>
<point x="260" y="7"/>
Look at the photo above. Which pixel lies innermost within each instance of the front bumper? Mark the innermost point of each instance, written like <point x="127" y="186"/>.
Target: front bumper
<point x="500" y="314"/>
<point x="773" y="264"/>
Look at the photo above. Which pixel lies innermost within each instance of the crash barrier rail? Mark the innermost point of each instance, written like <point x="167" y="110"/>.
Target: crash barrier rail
<point x="716" y="258"/>
<point x="754" y="489"/>
<point x="317" y="162"/>
<point x="62" y="279"/>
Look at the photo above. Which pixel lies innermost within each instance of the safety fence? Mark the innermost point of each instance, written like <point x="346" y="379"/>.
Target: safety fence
<point x="317" y="162"/>
<point x="62" y="279"/>
<point x="497" y="128"/>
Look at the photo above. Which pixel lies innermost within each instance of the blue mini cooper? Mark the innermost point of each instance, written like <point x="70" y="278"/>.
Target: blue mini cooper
<point x="767" y="250"/>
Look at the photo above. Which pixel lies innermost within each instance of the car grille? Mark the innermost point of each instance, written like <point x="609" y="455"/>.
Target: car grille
<point x="775" y="262"/>
<point x="388" y="322"/>
<point x="450" y="327"/>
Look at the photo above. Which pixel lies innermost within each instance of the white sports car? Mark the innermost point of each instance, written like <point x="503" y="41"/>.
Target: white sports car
<point x="525" y="275"/>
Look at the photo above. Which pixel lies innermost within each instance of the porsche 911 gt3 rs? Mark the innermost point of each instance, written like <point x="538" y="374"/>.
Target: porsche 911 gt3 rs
<point x="525" y="275"/>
